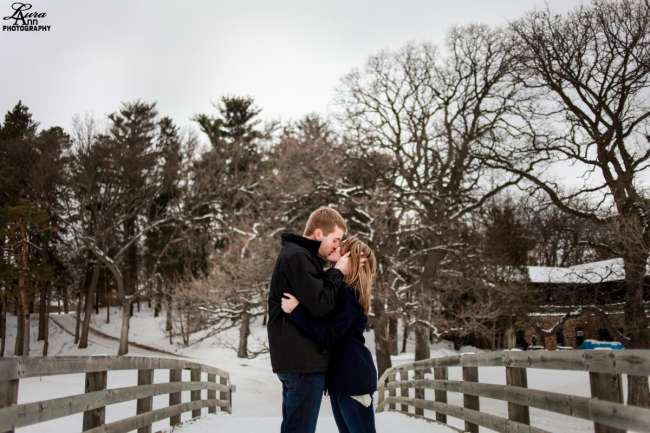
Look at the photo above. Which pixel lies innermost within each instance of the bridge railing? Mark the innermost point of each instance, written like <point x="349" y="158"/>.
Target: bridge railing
<point x="93" y="403"/>
<point x="605" y="407"/>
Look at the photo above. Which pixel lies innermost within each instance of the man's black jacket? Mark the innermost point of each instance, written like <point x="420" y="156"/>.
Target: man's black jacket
<point x="299" y="271"/>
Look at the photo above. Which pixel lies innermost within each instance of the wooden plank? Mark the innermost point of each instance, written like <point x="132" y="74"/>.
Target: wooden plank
<point x="95" y="381"/>
<point x="32" y="413"/>
<point x="145" y="377"/>
<point x="444" y="361"/>
<point x="441" y="373"/>
<point x="47" y="366"/>
<point x="516" y="376"/>
<point x="470" y="374"/>
<point x="135" y="422"/>
<point x="212" y="394"/>
<point x="195" y="376"/>
<point x="606" y="387"/>
<point x="571" y="405"/>
<point x="175" y="375"/>
<point x="608" y="413"/>
<point x="404" y="389"/>
<point x="8" y="398"/>
<point x="226" y="396"/>
<point x="629" y="361"/>
<point x="492" y="422"/>
<point x="9" y="369"/>
<point x="624" y="417"/>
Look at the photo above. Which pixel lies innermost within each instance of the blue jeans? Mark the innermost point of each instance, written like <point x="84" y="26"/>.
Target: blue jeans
<point x="351" y="416"/>
<point x="302" y="394"/>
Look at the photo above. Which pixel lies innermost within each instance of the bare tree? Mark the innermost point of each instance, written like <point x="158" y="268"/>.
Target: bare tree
<point x="425" y="115"/>
<point x="588" y="71"/>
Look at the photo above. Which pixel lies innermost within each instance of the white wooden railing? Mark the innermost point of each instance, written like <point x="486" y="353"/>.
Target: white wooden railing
<point x="605" y="407"/>
<point x="93" y="403"/>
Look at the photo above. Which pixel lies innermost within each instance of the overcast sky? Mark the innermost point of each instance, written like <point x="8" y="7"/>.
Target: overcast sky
<point x="289" y="55"/>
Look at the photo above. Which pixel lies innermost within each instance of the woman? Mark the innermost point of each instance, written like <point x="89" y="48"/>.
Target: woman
<point x="352" y="376"/>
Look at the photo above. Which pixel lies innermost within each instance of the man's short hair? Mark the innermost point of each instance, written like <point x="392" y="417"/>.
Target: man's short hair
<point x="326" y="219"/>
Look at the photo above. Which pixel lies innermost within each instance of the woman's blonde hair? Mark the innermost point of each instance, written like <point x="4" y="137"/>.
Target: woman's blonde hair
<point x="361" y="276"/>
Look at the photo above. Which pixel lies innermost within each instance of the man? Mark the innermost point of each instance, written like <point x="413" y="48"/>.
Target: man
<point x="299" y="363"/>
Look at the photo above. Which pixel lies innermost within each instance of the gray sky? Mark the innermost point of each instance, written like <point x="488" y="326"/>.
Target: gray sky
<point x="289" y="55"/>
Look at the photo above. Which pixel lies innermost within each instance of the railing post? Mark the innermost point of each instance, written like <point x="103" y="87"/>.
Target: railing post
<point x="95" y="381"/>
<point x="392" y="392"/>
<point x="380" y="394"/>
<point x="404" y="389"/>
<point x="175" y="397"/>
<point x="145" y="377"/>
<point x="517" y="376"/>
<point x="608" y="387"/>
<point x="470" y="374"/>
<point x="212" y="394"/>
<point x="9" y="395"/>
<point x="195" y="376"/>
<point x="226" y="395"/>
<point x="440" y="395"/>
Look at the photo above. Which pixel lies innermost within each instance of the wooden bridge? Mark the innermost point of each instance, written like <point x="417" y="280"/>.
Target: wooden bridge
<point x="93" y="403"/>
<point x="605" y="407"/>
<point x="401" y="389"/>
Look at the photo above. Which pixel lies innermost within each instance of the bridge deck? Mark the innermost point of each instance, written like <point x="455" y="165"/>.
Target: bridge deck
<point x="386" y="423"/>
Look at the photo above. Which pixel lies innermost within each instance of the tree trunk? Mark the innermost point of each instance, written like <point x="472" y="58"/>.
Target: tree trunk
<point x="3" y="303"/>
<point x="382" y="350"/>
<point x="18" y="344"/>
<point x="124" y="330"/>
<point x="265" y="317"/>
<point x="107" y="301"/>
<point x="42" y="311"/>
<point x="46" y="321"/>
<point x="22" y="339"/>
<point x="3" y="321"/>
<point x="159" y="298"/>
<point x="244" y="331"/>
<point x="98" y="293"/>
<point x="168" y="320"/>
<point x="636" y="322"/>
<point x="184" y="329"/>
<point x="88" y="310"/>
<point x="66" y="300"/>
<point x="422" y="349"/>
<point x="392" y="336"/>
<point x="77" y="325"/>
<point x="405" y="336"/>
<point x="131" y="258"/>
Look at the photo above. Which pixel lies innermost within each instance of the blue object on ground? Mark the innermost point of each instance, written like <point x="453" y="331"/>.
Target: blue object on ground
<point x="595" y="344"/>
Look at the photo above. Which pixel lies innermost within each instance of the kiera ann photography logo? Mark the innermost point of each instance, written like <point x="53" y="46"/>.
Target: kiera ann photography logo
<point x="24" y="18"/>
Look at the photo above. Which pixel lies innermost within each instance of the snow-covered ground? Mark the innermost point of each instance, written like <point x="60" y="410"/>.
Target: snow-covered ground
<point x="257" y="401"/>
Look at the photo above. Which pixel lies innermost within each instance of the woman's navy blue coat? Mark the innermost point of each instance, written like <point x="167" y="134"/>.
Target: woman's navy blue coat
<point x="351" y="370"/>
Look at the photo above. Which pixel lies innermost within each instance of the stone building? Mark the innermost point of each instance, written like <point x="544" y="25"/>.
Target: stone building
<point x="573" y="304"/>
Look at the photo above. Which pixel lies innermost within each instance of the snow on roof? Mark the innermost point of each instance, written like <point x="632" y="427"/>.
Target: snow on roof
<point x="588" y="273"/>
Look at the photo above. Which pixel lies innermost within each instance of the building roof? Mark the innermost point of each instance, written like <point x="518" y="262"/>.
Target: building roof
<point x="588" y="273"/>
